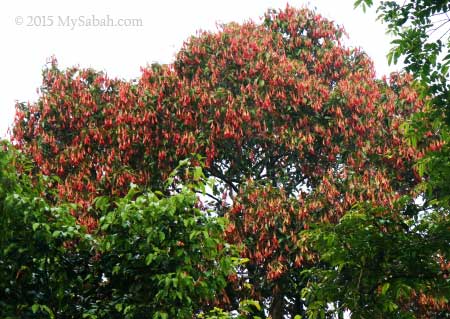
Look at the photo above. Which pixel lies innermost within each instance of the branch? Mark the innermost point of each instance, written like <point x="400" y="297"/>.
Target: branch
<point x="437" y="28"/>
<point x="217" y="173"/>
<point x="444" y="34"/>
<point x="209" y="195"/>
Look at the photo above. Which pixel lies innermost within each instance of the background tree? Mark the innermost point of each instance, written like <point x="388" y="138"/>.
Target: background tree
<point x="302" y="144"/>
<point x="295" y="128"/>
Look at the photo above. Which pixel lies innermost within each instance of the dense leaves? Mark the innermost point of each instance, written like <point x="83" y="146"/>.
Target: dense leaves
<point x="152" y="256"/>
<point x="421" y="39"/>
<point x="40" y="276"/>
<point x="407" y="247"/>
<point x="315" y="133"/>
<point x="162" y="256"/>
<point x="259" y="101"/>
<point x="294" y="127"/>
<point x="378" y="263"/>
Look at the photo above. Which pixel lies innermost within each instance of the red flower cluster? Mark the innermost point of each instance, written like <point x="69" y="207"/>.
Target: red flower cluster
<point x="295" y="125"/>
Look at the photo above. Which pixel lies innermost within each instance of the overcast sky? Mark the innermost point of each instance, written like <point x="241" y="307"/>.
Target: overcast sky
<point x="32" y="31"/>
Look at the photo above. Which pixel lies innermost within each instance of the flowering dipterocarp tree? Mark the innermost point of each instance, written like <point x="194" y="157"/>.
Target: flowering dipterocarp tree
<point x="293" y="125"/>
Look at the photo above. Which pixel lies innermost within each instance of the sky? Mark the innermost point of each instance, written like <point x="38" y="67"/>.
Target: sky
<point x="33" y="31"/>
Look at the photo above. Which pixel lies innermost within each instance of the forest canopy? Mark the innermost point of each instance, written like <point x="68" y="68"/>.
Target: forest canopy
<point x="266" y="172"/>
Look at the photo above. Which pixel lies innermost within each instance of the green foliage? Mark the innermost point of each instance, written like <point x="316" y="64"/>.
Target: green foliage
<point x="39" y="274"/>
<point x="421" y="38"/>
<point x="162" y="255"/>
<point x="153" y="256"/>
<point x="376" y="261"/>
<point x="245" y="310"/>
<point x="296" y="129"/>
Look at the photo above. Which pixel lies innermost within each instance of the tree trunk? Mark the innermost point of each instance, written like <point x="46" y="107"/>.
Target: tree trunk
<point x="277" y="307"/>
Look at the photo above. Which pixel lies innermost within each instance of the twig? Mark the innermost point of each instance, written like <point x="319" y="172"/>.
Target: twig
<point x="437" y="28"/>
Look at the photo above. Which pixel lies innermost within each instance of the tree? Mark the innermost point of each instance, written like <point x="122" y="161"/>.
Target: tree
<point x="401" y="254"/>
<point x="421" y="38"/>
<point x="41" y="277"/>
<point x="152" y="255"/>
<point x="163" y="256"/>
<point x="294" y="127"/>
<point x="379" y="263"/>
<point x="292" y="173"/>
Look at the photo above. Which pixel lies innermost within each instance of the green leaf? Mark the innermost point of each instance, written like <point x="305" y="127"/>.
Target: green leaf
<point x="261" y="83"/>
<point x="149" y="259"/>
<point x="116" y="269"/>
<point x="48" y="310"/>
<point x="56" y="233"/>
<point x="102" y="203"/>
<point x="197" y="173"/>
<point x="385" y="288"/>
<point x="35" y="308"/>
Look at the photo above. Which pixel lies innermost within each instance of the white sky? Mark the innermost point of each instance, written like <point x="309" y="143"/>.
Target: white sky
<point x="121" y="51"/>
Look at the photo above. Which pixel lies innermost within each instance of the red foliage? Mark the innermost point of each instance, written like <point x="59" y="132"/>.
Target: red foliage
<point x="296" y="125"/>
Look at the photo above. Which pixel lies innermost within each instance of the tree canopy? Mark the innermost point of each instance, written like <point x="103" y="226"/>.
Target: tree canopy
<point x="312" y="173"/>
<point x="152" y="255"/>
